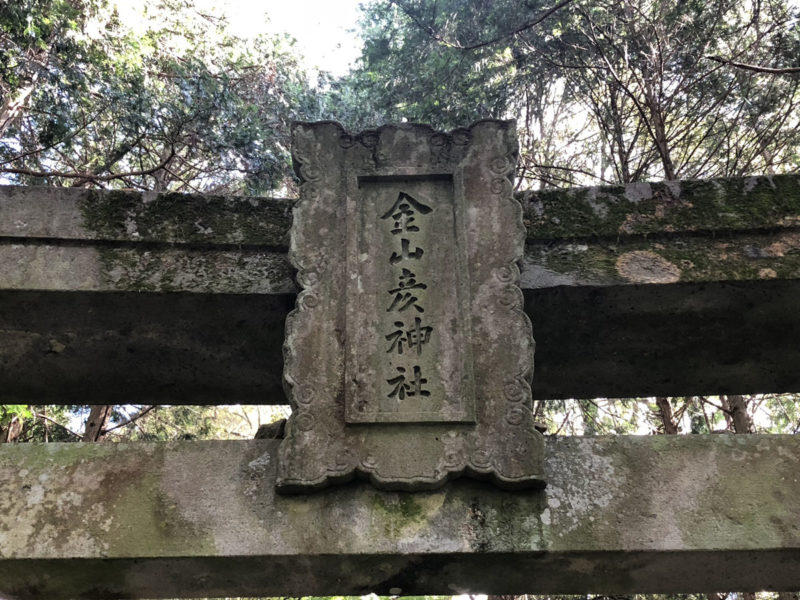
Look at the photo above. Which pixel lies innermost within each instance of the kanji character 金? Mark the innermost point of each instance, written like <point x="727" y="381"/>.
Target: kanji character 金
<point x="402" y="213"/>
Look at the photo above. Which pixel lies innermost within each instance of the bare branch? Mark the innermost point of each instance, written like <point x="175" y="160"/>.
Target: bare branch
<point x="755" y="68"/>
<point x="90" y="176"/>
<point x="57" y="424"/>
<point x="133" y="419"/>
<point x="534" y="165"/>
<point x="439" y="38"/>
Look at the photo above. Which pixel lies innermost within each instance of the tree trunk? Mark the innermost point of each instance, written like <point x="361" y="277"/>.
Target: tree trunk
<point x="12" y="432"/>
<point x="619" y="139"/>
<point x="665" y="410"/>
<point x="737" y="409"/>
<point x="14" y="105"/>
<point x="659" y="131"/>
<point x="97" y="422"/>
<point x="662" y="145"/>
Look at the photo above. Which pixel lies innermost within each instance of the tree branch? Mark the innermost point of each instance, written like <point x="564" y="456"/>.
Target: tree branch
<point x="755" y="68"/>
<point x="570" y="169"/>
<point x="90" y="176"/>
<point x="57" y="424"/>
<point x="132" y="419"/>
<point x="439" y="38"/>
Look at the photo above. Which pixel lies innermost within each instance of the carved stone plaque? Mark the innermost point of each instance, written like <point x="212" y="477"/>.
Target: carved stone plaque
<point x="408" y="358"/>
<point x="410" y="361"/>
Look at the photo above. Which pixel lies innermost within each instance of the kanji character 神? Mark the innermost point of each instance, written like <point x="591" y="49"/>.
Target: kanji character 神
<point x="416" y="337"/>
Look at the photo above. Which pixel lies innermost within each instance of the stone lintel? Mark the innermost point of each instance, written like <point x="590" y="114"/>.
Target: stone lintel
<point x="191" y="519"/>
<point x="688" y="231"/>
<point x="126" y="216"/>
<point x="625" y="286"/>
<point x="613" y="341"/>
<point x="646" y="208"/>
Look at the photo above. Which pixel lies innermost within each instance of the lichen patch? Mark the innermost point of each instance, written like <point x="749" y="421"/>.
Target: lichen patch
<point x="643" y="266"/>
<point x="636" y="192"/>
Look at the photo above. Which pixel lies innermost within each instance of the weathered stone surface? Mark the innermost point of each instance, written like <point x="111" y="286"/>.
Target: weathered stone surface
<point x="604" y="327"/>
<point x="620" y="515"/>
<point x="91" y="268"/>
<point x="718" y="205"/>
<point x="711" y="230"/>
<point x="33" y="264"/>
<point x="642" y="209"/>
<point x="143" y="217"/>
<point x="666" y="340"/>
<point x="408" y="358"/>
<point x="618" y="341"/>
<point x="633" y="260"/>
<point x="176" y="348"/>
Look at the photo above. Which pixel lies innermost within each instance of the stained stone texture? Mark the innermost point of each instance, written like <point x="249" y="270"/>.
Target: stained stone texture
<point x="621" y="515"/>
<point x="409" y="357"/>
<point x="167" y="298"/>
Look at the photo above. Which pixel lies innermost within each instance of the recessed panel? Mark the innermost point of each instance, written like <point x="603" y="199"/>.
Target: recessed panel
<point x="405" y="304"/>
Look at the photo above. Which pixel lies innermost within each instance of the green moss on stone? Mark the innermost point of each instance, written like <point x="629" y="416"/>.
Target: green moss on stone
<point x="691" y="259"/>
<point x="186" y="218"/>
<point x="402" y="508"/>
<point x="645" y="208"/>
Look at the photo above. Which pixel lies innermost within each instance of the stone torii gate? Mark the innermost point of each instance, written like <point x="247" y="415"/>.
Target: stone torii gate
<point x="678" y="288"/>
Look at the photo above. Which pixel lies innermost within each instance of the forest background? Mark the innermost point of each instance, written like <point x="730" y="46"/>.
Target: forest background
<point x="604" y="92"/>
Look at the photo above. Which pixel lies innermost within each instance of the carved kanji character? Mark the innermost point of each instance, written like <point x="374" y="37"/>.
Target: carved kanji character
<point x="403" y="298"/>
<point x="402" y="213"/>
<point x="397" y="338"/>
<point x="406" y="253"/>
<point x="403" y="388"/>
<point x="418" y="336"/>
<point x="407" y="281"/>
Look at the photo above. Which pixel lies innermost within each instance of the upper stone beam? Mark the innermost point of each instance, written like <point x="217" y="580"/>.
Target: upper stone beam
<point x="725" y="258"/>
<point x="69" y="214"/>
<point x="697" y="206"/>
<point x="731" y="204"/>
<point x="688" y="231"/>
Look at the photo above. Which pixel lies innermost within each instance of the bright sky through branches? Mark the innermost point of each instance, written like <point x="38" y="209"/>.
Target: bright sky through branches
<point x="324" y="29"/>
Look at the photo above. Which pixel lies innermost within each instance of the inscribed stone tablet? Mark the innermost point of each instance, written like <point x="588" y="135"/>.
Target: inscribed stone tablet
<point x="408" y="358"/>
<point x="410" y="361"/>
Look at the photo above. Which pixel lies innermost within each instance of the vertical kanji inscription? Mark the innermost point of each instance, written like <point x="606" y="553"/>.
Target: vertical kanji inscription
<point x="412" y="313"/>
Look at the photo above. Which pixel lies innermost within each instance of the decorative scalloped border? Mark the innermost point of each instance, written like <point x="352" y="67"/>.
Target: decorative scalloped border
<point x="480" y="461"/>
